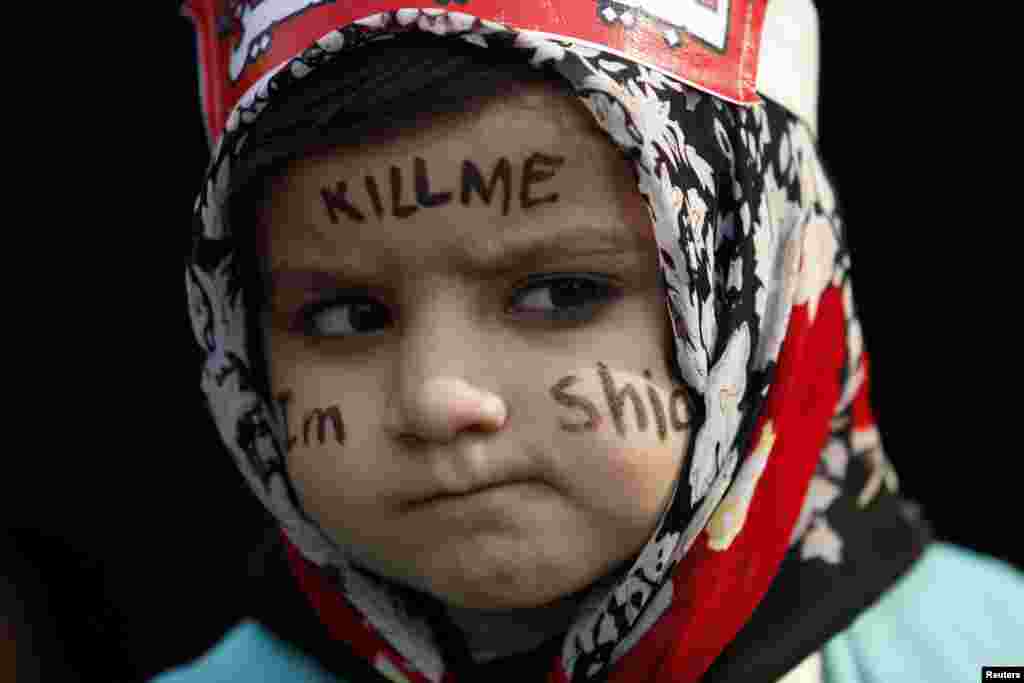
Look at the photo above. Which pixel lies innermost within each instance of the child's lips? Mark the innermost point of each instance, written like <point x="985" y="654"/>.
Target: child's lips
<point x="452" y="494"/>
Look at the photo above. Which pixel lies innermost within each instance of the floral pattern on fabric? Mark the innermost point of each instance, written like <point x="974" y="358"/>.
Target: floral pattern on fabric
<point x="757" y="291"/>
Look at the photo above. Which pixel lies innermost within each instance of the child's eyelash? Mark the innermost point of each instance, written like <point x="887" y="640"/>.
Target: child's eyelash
<point x="599" y="288"/>
<point x="557" y="297"/>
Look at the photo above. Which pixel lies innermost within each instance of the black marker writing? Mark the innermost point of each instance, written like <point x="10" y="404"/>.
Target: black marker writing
<point x="331" y="417"/>
<point x="333" y="414"/>
<point x="617" y="401"/>
<point x="676" y="417"/>
<point x="396" y="196"/>
<point x="659" y="412"/>
<point x="532" y="175"/>
<point x="679" y="396"/>
<point x="283" y="399"/>
<point x="423" y="195"/>
<point x="371" y="189"/>
<point x="337" y="201"/>
<point x="537" y="168"/>
<point x="473" y="181"/>
<point x="571" y="401"/>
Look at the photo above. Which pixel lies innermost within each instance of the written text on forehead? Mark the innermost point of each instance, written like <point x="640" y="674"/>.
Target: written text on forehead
<point x="352" y="200"/>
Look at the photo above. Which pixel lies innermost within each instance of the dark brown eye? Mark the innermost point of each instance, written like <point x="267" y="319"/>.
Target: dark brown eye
<point x="345" y="317"/>
<point x="564" y="297"/>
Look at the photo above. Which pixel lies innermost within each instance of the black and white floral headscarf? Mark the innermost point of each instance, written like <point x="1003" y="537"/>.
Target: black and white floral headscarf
<point x="786" y="467"/>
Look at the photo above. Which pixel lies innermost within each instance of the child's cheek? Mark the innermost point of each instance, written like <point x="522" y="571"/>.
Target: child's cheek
<point x="620" y="437"/>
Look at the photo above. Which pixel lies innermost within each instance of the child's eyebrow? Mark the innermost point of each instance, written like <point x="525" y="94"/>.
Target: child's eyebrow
<point x="494" y="256"/>
<point x="511" y="251"/>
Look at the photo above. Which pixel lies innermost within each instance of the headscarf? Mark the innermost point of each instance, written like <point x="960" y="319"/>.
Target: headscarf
<point x="786" y="503"/>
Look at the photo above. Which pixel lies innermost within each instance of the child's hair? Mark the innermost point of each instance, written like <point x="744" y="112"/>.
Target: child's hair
<point x="375" y="92"/>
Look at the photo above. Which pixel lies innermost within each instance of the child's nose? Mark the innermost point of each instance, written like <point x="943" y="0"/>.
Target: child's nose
<point x="439" y="408"/>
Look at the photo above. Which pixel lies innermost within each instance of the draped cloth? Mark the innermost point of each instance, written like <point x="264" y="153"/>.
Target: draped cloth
<point x="784" y="522"/>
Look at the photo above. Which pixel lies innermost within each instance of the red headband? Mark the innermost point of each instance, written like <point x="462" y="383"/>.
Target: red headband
<point x="710" y="44"/>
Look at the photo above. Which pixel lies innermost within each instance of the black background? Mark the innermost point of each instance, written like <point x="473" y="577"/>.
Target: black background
<point x="132" y="548"/>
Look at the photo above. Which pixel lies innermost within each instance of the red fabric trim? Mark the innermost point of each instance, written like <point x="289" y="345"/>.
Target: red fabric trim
<point x="346" y="624"/>
<point x="730" y="73"/>
<point x="715" y="592"/>
<point x="342" y="621"/>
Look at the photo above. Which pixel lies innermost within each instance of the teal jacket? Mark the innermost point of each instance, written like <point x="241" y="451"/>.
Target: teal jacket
<point x="954" y="612"/>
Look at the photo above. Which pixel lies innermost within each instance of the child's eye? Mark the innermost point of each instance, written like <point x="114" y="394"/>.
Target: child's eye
<point x="551" y="297"/>
<point x="564" y="297"/>
<point x="344" y="317"/>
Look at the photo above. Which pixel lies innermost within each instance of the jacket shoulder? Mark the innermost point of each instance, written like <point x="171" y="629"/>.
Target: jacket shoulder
<point x="250" y="653"/>
<point x="954" y="612"/>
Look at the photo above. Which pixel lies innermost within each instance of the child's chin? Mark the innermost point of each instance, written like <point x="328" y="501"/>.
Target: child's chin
<point x="496" y="602"/>
<point x="498" y="594"/>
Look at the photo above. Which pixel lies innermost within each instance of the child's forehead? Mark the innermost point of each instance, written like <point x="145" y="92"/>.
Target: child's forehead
<point x="515" y="168"/>
<point x="535" y="212"/>
<point x="535" y="166"/>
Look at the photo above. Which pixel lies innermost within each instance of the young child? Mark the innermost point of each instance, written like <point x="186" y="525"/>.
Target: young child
<point x="548" y="366"/>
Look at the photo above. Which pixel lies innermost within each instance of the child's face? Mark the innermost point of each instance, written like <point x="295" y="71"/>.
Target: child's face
<point x="429" y="286"/>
